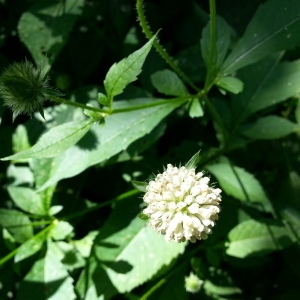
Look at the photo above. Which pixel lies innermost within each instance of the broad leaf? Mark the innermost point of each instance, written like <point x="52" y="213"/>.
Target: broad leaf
<point x="45" y="28"/>
<point x="18" y="224"/>
<point x="256" y="238"/>
<point x="27" y="199"/>
<point x="268" y="83"/>
<point x="124" y="72"/>
<point x="274" y="27"/>
<point x="62" y="230"/>
<point x="269" y="128"/>
<point x="47" y="279"/>
<point x="238" y="183"/>
<point x="103" y="142"/>
<point x="167" y="82"/>
<point x="55" y="141"/>
<point x="253" y="96"/>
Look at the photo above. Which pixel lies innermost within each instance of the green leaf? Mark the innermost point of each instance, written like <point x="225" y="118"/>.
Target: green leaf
<point x="167" y="82"/>
<point x="140" y="267"/>
<point x="20" y="139"/>
<point x="18" y="224"/>
<point x="27" y="199"/>
<point x="31" y="246"/>
<point x="47" y="279"/>
<point x="195" y="109"/>
<point x="222" y="45"/>
<point x="124" y="72"/>
<point x="274" y="27"/>
<point x="256" y="238"/>
<point x="45" y="28"/>
<point x="230" y="84"/>
<point x="213" y="290"/>
<point x="84" y="245"/>
<point x="119" y="131"/>
<point x="238" y="183"/>
<point x="139" y="185"/>
<point x="269" y="128"/>
<point x="55" y="141"/>
<point x="62" y="230"/>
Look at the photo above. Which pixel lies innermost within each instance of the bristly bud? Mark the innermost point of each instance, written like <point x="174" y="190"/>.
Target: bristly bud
<point x="24" y="88"/>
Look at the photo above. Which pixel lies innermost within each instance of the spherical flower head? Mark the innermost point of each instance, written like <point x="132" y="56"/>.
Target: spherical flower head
<point x="193" y="283"/>
<point x="23" y="88"/>
<point x="181" y="204"/>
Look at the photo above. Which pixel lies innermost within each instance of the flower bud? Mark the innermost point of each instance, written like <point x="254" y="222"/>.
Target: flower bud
<point x="24" y="88"/>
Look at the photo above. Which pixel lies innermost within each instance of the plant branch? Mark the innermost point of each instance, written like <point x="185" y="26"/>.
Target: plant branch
<point x="149" y="34"/>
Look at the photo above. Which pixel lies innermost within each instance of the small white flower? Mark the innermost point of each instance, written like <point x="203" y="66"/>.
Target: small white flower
<point x="181" y="204"/>
<point x="193" y="284"/>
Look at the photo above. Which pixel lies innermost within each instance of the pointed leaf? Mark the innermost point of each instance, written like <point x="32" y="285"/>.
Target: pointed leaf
<point x="193" y="162"/>
<point x="274" y="27"/>
<point x="119" y="131"/>
<point x="47" y="279"/>
<point x="252" y="237"/>
<point x="124" y="72"/>
<point x="167" y="82"/>
<point x="222" y="44"/>
<point x="54" y="141"/>
<point x="269" y="128"/>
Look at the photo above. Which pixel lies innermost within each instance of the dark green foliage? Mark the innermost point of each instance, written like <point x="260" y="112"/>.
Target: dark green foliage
<point x="225" y="86"/>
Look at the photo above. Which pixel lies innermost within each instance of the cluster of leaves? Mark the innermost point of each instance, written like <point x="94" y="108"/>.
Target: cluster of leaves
<point x="68" y="212"/>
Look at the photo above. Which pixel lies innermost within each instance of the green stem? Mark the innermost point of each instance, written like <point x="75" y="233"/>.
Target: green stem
<point x="153" y="289"/>
<point x="76" y="104"/>
<point x="14" y="252"/>
<point x="149" y="34"/>
<point x="93" y="208"/>
<point x="209" y="81"/>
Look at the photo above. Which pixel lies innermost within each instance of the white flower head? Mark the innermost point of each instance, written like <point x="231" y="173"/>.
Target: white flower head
<point x="181" y="205"/>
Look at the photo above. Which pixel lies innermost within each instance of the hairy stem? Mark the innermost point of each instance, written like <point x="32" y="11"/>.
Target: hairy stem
<point x="149" y="34"/>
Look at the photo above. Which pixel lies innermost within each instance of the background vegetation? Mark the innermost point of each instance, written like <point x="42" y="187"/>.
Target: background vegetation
<point x="68" y="210"/>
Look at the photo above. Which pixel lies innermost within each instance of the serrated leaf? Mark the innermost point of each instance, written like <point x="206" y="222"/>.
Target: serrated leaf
<point x="27" y="199"/>
<point x="238" y="183"/>
<point x="168" y="83"/>
<point x="269" y="128"/>
<point x="252" y="237"/>
<point x="47" y="279"/>
<point x="274" y="27"/>
<point x="118" y="132"/>
<point x="139" y="185"/>
<point x="154" y="253"/>
<point x="18" y="224"/>
<point x="55" y="141"/>
<point x="195" y="109"/>
<point x="124" y="72"/>
<point x="230" y="84"/>
<point x="45" y="28"/>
